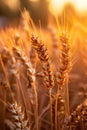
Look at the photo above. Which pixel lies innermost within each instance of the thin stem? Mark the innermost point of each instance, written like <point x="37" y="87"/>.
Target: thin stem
<point x="50" y="91"/>
<point x="36" y="105"/>
<point x="22" y="93"/>
<point x="56" y="105"/>
<point x="4" y="103"/>
<point x="6" y="77"/>
<point x="67" y="96"/>
<point x="56" y="112"/>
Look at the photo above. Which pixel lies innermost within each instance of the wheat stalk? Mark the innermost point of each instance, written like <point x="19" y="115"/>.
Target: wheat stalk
<point x="47" y="74"/>
<point x="63" y="70"/>
<point x="31" y="78"/>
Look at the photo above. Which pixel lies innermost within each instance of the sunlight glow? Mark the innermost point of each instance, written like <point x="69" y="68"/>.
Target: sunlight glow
<point x="57" y="5"/>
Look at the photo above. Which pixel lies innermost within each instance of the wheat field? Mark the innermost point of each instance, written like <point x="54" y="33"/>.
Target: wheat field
<point x="43" y="74"/>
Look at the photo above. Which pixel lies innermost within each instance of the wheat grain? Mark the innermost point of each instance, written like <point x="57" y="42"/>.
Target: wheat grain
<point x="18" y="116"/>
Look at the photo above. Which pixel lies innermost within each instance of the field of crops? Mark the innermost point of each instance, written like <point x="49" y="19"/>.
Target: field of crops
<point x="43" y="73"/>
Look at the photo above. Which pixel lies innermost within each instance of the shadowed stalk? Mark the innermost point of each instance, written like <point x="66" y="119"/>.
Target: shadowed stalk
<point x="50" y="95"/>
<point x="56" y="111"/>
<point x="6" y="77"/>
<point x="31" y="77"/>
<point x="56" y="120"/>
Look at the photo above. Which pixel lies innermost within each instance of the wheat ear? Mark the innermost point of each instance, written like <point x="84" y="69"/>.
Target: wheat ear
<point x="44" y="58"/>
<point x="78" y="115"/>
<point x="63" y="71"/>
<point x="18" y="117"/>
<point x="31" y="77"/>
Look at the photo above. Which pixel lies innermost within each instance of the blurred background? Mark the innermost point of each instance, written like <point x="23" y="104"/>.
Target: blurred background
<point x="44" y="12"/>
<point x="38" y="9"/>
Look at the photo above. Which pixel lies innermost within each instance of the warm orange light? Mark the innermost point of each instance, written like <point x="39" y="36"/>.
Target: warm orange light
<point x="12" y="4"/>
<point x="57" y="5"/>
<point x="33" y="0"/>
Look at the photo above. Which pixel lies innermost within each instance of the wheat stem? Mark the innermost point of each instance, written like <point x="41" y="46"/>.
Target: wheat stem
<point x="50" y="92"/>
<point x="6" y="77"/>
<point x="67" y="96"/>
